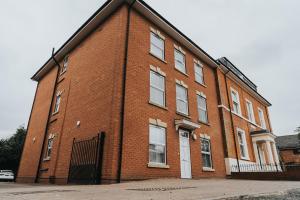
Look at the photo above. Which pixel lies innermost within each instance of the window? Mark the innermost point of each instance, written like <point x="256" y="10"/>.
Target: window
<point x="199" y="73"/>
<point x="242" y="143"/>
<point x="157" y="88"/>
<point x="157" y="47"/>
<point x="250" y="111"/>
<point x="57" y="102"/>
<point x="49" y="148"/>
<point x="206" y="153"/>
<point x="179" y="61"/>
<point x="65" y="64"/>
<point x="261" y="118"/>
<point x="202" y="109"/>
<point x="235" y="101"/>
<point x="181" y="99"/>
<point x="157" y="144"/>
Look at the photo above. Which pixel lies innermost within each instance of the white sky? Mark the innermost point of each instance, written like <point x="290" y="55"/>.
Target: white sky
<point x="260" y="37"/>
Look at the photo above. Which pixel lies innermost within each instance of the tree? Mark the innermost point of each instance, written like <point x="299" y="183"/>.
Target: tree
<point x="11" y="150"/>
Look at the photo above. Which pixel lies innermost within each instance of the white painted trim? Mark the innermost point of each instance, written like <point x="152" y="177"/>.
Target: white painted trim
<point x="198" y="62"/>
<point x="205" y="136"/>
<point x="181" y="83"/>
<point x="157" y="32"/>
<point x="233" y="161"/>
<point x="242" y="117"/>
<point x="158" y="122"/>
<point x="201" y="94"/>
<point x="245" y="143"/>
<point x="179" y="49"/>
<point x="250" y="102"/>
<point x="238" y="99"/>
<point x="263" y="125"/>
<point x="157" y="165"/>
<point x="158" y="70"/>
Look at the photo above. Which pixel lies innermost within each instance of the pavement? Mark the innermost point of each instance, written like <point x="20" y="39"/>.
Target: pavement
<point x="161" y="189"/>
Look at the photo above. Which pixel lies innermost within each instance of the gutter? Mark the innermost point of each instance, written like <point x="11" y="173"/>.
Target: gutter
<point x="123" y="94"/>
<point x="49" y="115"/>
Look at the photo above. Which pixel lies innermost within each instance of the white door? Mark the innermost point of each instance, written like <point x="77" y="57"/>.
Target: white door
<point x="185" y="159"/>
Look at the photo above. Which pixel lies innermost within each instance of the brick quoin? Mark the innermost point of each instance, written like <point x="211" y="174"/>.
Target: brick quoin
<point x="91" y="93"/>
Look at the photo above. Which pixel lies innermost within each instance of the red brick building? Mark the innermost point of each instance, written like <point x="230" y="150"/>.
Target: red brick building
<point x="167" y="108"/>
<point x="289" y="149"/>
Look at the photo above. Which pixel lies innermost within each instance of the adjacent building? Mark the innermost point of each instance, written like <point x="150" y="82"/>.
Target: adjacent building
<point x="289" y="149"/>
<point x="166" y="107"/>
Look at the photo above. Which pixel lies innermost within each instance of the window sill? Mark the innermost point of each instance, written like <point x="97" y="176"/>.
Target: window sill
<point x="61" y="73"/>
<point x="202" y="84"/>
<point x="204" y="123"/>
<point x="184" y="115"/>
<point x="54" y="113"/>
<point x="61" y="79"/>
<point x="157" y="105"/>
<point x="185" y="74"/>
<point x="53" y="120"/>
<point x="158" y="165"/>
<point x="208" y="169"/>
<point x="46" y="159"/>
<point x="158" y="58"/>
<point x="246" y="159"/>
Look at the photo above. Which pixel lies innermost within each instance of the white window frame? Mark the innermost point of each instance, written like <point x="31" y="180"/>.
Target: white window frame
<point x="49" y="147"/>
<point x="250" y="111"/>
<point x="65" y="64"/>
<point x="184" y="60"/>
<point x="232" y="92"/>
<point x="261" y="118"/>
<point x="243" y="144"/>
<point x="151" y="43"/>
<point x="163" y="145"/>
<point x="201" y="108"/>
<point x="57" y="103"/>
<point x="197" y="74"/>
<point x="182" y="100"/>
<point x="163" y="90"/>
<point x="205" y="152"/>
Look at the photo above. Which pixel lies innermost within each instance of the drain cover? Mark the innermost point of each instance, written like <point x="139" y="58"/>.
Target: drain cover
<point x="160" y="189"/>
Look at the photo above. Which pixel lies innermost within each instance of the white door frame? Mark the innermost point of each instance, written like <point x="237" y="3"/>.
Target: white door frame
<point x="185" y="154"/>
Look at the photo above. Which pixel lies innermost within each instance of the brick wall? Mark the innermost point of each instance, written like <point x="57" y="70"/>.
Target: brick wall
<point x="288" y="156"/>
<point x="36" y="128"/>
<point x="239" y="121"/>
<point x="91" y="92"/>
<point x="138" y="110"/>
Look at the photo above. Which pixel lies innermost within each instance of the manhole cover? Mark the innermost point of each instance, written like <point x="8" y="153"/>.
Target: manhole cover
<point x="40" y="192"/>
<point x="161" y="189"/>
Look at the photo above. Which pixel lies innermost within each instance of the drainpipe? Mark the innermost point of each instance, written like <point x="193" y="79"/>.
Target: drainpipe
<point x="232" y="124"/>
<point x="124" y="93"/>
<point x="49" y="115"/>
<point x="225" y="148"/>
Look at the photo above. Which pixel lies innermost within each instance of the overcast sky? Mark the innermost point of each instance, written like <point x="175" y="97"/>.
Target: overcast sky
<point x="260" y="37"/>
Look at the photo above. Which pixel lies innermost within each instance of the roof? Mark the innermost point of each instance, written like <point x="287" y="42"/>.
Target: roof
<point x="288" y="142"/>
<point x="237" y="72"/>
<point x="111" y="6"/>
<point x="103" y="13"/>
<point x="252" y="88"/>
